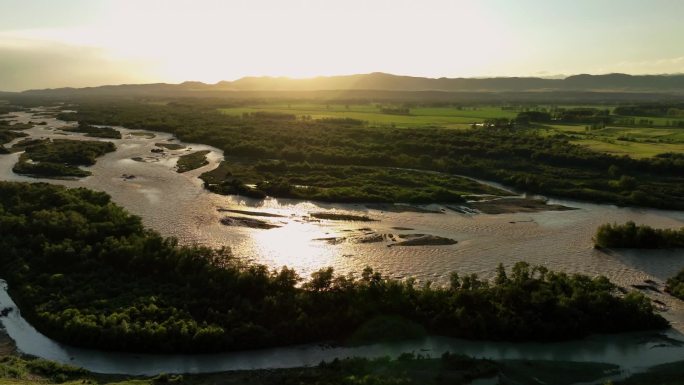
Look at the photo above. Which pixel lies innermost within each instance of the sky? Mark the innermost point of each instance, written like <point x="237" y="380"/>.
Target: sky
<point x="77" y="43"/>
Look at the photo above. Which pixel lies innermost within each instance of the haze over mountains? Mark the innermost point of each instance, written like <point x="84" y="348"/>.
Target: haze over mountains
<point x="615" y="83"/>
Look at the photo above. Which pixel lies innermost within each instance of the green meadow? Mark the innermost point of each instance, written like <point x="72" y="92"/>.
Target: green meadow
<point x="451" y="117"/>
<point x="636" y="142"/>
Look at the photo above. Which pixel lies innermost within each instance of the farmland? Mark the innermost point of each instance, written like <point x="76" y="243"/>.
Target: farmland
<point x="450" y="117"/>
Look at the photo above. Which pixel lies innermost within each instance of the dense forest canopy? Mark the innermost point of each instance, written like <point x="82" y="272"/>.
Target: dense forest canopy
<point x="87" y="273"/>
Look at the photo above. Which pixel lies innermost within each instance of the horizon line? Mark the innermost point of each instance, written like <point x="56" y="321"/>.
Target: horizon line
<point x="276" y="77"/>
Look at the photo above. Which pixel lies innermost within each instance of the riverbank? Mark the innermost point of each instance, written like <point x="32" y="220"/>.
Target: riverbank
<point x="7" y="346"/>
<point x="409" y="369"/>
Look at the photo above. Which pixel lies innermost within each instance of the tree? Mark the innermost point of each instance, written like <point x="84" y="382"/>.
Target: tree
<point x="501" y="277"/>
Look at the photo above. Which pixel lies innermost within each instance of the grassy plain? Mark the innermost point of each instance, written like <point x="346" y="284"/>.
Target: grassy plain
<point x="450" y="117"/>
<point x="636" y="142"/>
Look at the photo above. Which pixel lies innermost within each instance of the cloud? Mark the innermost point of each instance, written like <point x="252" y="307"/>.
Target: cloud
<point x="27" y="64"/>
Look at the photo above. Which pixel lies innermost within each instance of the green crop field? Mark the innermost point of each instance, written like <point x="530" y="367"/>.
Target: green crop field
<point x="637" y="142"/>
<point x="450" y="117"/>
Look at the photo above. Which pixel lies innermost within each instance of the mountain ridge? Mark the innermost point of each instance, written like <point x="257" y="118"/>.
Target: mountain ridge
<point x="379" y="81"/>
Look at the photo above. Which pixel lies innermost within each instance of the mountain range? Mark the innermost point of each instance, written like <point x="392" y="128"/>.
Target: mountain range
<point x="377" y="81"/>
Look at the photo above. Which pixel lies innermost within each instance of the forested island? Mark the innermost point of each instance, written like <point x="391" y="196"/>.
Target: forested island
<point x="95" y="132"/>
<point x="85" y="272"/>
<point x="59" y="158"/>
<point x="309" y="154"/>
<point x="192" y="161"/>
<point x="631" y="235"/>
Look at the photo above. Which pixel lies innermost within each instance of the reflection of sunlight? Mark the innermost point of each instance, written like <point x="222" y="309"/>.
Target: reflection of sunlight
<point x="292" y="245"/>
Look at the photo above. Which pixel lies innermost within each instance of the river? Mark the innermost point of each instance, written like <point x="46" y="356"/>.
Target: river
<point x="177" y="205"/>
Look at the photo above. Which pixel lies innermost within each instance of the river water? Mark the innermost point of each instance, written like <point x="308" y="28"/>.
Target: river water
<point x="177" y="205"/>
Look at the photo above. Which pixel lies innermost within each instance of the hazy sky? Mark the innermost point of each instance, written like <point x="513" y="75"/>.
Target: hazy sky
<point x="54" y="43"/>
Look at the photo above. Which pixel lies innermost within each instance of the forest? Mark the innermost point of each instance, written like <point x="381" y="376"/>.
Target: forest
<point x="631" y="235"/>
<point x="85" y="272"/>
<point x="516" y="156"/>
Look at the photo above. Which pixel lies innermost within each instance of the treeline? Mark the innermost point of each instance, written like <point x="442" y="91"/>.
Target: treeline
<point x="526" y="117"/>
<point x="651" y="110"/>
<point x="631" y="235"/>
<point x="520" y="158"/>
<point x="585" y="115"/>
<point x="85" y="272"/>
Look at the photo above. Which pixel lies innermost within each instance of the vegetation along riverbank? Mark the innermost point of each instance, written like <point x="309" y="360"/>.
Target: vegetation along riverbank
<point x="407" y="369"/>
<point x="145" y="293"/>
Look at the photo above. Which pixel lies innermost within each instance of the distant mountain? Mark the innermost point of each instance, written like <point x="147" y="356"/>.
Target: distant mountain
<point x="383" y="81"/>
<point x="387" y="82"/>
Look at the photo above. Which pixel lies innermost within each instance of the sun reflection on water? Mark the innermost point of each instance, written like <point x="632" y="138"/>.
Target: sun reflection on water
<point x="291" y="245"/>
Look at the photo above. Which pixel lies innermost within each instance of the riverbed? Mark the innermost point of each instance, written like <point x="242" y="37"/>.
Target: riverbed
<point x="177" y="205"/>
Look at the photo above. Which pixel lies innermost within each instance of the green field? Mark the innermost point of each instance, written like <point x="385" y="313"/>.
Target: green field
<point x="636" y="142"/>
<point x="450" y="117"/>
